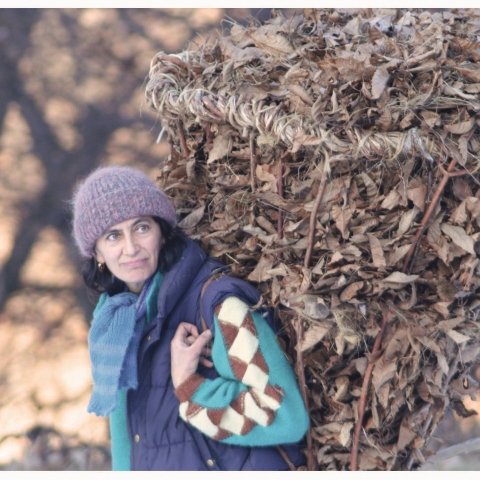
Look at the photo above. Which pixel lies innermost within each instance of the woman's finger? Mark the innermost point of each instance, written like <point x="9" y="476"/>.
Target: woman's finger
<point x="207" y="352"/>
<point x="185" y="358"/>
<point x="205" y="362"/>
<point x="184" y="330"/>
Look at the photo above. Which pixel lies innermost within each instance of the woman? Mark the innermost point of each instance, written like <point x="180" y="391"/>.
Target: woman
<point x="176" y="402"/>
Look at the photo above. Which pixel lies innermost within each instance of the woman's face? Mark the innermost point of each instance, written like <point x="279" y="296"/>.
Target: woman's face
<point x="130" y="250"/>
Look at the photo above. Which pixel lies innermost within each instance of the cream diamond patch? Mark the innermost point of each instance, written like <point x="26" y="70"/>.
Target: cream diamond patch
<point x="253" y="411"/>
<point x="233" y="311"/>
<point x="183" y="410"/>
<point x="244" y="346"/>
<point x="255" y="377"/>
<point x="232" y="421"/>
<point x="203" y="423"/>
<point x="265" y="400"/>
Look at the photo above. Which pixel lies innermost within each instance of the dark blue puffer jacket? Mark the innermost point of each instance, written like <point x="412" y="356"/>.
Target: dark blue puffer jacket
<point x="160" y="439"/>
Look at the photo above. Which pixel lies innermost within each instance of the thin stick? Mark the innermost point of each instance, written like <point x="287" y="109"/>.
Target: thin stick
<point x="284" y="455"/>
<point x="280" y="194"/>
<point x="183" y="142"/>
<point x="459" y="449"/>
<point x="363" y="397"/>
<point x="446" y="175"/>
<point x="428" y="214"/>
<point x="311" y="464"/>
<point x="313" y="219"/>
<point x="170" y="146"/>
<point x="253" y="161"/>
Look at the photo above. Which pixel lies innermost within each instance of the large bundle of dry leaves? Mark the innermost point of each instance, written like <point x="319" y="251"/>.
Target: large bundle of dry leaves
<point x="332" y="159"/>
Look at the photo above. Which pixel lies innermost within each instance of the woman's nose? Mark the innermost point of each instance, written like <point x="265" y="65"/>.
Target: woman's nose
<point x="131" y="246"/>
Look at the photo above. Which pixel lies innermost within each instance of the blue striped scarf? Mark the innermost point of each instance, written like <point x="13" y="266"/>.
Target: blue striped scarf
<point x="113" y="342"/>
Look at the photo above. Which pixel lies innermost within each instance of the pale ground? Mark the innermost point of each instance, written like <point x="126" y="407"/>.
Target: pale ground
<point x="45" y="374"/>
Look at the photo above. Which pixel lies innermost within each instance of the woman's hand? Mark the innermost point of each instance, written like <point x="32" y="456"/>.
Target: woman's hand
<point x="188" y="349"/>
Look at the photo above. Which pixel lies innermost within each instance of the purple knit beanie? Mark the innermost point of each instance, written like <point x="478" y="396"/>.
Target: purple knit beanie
<point x="110" y="195"/>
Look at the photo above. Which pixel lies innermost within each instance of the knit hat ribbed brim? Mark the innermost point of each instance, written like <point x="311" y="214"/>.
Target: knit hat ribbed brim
<point x="113" y="194"/>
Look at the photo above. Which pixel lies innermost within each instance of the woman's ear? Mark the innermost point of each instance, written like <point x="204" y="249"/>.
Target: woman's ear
<point x="98" y="257"/>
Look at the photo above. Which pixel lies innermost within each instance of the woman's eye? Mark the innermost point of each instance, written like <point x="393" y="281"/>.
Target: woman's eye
<point x="112" y="237"/>
<point x="143" y="228"/>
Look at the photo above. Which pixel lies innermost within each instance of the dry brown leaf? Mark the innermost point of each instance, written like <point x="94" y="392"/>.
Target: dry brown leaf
<point x="461" y="127"/>
<point x="429" y="343"/>
<point x="473" y="206"/>
<point x="264" y="175"/>
<point x="451" y="324"/>
<point x="192" y="218"/>
<point x="253" y="230"/>
<point x="406" y="221"/>
<point x="342" y="218"/>
<point x="260" y="273"/>
<point x="272" y="43"/>
<point x="378" y="256"/>
<point x="397" y="254"/>
<point x="372" y="190"/>
<point x="351" y="291"/>
<point x="473" y="88"/>
<point x="391" y="200"/>
<point x="457" y="337"/>
<point x="434" y="233"/>
<point x="313" y="335"/>
<point x="342" y="384"/>
<point x="351" y="250"/>
<point x="352" y="27"/>
<point x="233" y="180"/>
<point x="418" y="196"/>
<point x="459" y="215"/>
<point x="459" y="237"/>
<point x="361" y="365"/>
<point x="470" y="72"/>
<point x="400" y="277"/>
<point x="432" y="119"/>
<point x="442" y="308"/>
<point x="406" y="434"/>
<point x="379" y="81"/>
<point x="301" y="139"/>
<point x="220" y="224"/>
<point x="345" y="434"/>
<point x="383" y="372"/>
<point x="442" y="362"/>
<point x="221" y="148"/>
<point x="449" y="90"/>
<point x="397" y="346"/>
<point x="461" y="189"/>
<point x="463" y="147"/>
<point x="265" y="224"/>
<point x="300" y="91"/>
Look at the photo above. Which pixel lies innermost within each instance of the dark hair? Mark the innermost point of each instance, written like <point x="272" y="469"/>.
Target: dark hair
<point x="170" y="253"/>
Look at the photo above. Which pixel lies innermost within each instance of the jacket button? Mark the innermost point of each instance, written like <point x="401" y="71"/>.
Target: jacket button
<point x="137" y="438"/>
<point x="210" y="463"/>
<point x="149" y="337"/>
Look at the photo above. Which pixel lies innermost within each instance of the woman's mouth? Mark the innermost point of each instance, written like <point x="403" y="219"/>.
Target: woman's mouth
<point x="135" y="263"/>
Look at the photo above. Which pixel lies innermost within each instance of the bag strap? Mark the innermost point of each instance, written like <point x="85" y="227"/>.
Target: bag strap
<point x="215" y="276"/>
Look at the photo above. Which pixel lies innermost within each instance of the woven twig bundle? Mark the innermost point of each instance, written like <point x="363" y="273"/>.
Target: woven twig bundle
<point x="332" y="158"/>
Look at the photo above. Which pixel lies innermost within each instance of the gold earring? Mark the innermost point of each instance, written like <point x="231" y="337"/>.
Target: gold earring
<point x="101" y="267"/>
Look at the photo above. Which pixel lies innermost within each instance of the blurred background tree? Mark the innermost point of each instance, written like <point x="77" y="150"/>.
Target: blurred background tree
<point x="71" y="98"/>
